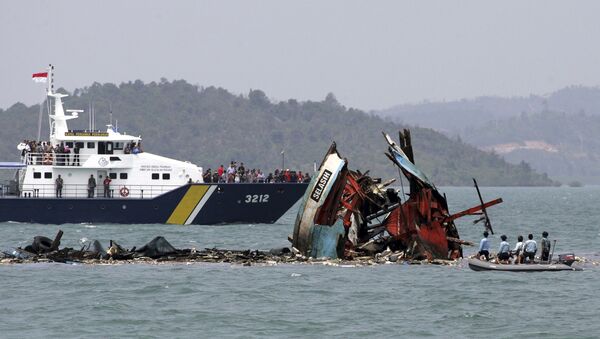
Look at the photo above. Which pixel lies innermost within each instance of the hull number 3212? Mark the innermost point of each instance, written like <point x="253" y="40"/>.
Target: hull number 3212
<point x="256" y="198"/>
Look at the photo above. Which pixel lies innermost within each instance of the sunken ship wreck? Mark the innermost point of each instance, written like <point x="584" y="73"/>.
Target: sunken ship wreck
<point x="346" y="213"/>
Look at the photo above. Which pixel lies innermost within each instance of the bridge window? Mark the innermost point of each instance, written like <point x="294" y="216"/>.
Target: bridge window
<point x="91" y="145"/>
<point x="69" y="144"/>
<point x="79" y="144"/>
<point x="122" y="175"/>
<point x="112" y="175"/>
<point x="47" y="175"/>
<point x="154" y="176"/>
<point x="166" y="176"/>
<point x="118" y="146"/>
<point x="37" y="175"/>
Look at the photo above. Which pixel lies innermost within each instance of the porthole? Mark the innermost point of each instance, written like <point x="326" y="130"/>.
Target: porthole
<point x="124" y="207"/>
<point x="49" y="207"/>
<point x="156" y="207"/>
<point x="102" y="207"/>
<point x="70" y="207"/>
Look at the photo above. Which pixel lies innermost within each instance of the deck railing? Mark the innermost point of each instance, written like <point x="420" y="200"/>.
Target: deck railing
<point x="57" y="159"/>
<point x="81" y="191"/>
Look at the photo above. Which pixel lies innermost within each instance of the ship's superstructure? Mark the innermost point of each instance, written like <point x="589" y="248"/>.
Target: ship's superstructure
<point x="98" y="154"/>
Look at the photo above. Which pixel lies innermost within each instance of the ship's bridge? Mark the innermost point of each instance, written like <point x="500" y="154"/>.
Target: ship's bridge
<point x="88" y="148"/>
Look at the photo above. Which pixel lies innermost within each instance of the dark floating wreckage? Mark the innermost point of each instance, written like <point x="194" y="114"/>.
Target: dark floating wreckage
<point x="347" y="214"/>
<point x="158" y="250"/>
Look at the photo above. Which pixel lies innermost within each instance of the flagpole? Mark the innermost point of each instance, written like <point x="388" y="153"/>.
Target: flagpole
<point x="39" y="135"/>
<point x="49" y="92"/>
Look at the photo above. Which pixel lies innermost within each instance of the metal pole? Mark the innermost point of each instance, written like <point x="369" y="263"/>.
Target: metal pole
<point x="39" y="132"/>
<point x="488" y="224"/>
<point x="283" y="159"/>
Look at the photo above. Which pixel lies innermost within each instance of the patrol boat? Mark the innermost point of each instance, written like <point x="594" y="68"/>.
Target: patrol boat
<point x="144" y="188"/>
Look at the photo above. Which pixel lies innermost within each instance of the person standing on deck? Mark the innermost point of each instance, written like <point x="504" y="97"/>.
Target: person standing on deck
<point x="231" y="171"/>
<point x="545" y="246"/>
<point x="106" y="184"/>
<point x="59" y="186"/>
<point x="484" y="246"/>
<point x="75" y="155"/>
<point x="91" y="186"/>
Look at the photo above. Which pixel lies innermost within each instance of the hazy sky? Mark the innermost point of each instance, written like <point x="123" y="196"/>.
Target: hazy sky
<point x="371" y="54"/>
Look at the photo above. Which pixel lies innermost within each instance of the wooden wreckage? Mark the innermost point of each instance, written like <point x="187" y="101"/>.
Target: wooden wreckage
<point x="157" y="251"/>
<point x="346" y="214"/>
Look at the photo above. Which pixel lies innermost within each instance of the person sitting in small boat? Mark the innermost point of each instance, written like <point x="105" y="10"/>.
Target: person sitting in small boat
<point x="503" y="251"/>
<point x="529" y="249"/>
<point x="518" y="250"/>
<point x="545" y="247"/>
<point x="484" y="246"/>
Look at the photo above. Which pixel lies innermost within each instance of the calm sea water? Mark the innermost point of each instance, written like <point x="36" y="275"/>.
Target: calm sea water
<point x="220" y="300"/>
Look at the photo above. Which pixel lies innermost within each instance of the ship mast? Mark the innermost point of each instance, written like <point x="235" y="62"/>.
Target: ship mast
<point x="58" y="120"/>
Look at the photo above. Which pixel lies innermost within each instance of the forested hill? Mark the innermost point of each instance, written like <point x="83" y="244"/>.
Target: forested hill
<point x="454" y="117"/>
<point x="566" y="146"/>
<point x="211" y="126"/>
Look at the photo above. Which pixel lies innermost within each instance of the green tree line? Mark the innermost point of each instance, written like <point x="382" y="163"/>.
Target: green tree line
<point x="210" y="126"/>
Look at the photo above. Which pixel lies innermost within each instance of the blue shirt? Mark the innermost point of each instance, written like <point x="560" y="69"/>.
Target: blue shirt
<point x="504" y="247"/>
<point x="484" y="245"/>
<point x="530" y="246"/>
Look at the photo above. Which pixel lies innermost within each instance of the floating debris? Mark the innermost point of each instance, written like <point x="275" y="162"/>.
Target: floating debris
<point x="160" y="251"/>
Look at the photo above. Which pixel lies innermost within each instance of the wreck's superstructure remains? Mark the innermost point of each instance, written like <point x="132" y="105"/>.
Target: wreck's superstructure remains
<point x="346" y="213"/>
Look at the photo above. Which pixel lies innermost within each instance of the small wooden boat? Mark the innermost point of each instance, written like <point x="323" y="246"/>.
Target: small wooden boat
<point x="480" y="265"/>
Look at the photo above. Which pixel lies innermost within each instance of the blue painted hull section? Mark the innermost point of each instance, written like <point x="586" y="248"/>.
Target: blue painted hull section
<point x="229" y="203"/>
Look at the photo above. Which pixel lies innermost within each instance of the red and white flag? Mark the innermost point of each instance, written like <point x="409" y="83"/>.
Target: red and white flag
<point x="40" y="77"/>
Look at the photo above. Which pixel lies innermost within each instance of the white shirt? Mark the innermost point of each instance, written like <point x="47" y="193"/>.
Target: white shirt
<point x="518" y="247"/>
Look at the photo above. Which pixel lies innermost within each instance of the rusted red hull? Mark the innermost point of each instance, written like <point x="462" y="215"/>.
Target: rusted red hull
<point x="421" y="226"/>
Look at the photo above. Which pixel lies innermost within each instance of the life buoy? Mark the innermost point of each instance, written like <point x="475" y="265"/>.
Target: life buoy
<point x="124" y="191"/>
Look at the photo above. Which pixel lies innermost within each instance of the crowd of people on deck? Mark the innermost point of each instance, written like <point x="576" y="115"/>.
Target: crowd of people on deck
<point x="240" y="174"/>
<point x="44" y="153"/>
<point x="524" y="251"/>
<point x="133" y="148"/>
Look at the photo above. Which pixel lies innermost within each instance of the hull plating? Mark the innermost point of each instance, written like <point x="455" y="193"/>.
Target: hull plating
<point x="200" y="204"/>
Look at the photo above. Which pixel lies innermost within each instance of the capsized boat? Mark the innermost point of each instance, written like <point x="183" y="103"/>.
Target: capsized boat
<point x="563" y="264"/>
<point x="144" y="188"/>
<point x="317" y="232"/>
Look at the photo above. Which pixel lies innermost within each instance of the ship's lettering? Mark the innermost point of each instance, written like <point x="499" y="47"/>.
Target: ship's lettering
<point x="256" y="198"/>
<point x="320" y="186"/>
<point x="85" y="134"/>
<point x="156" y="168"/>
